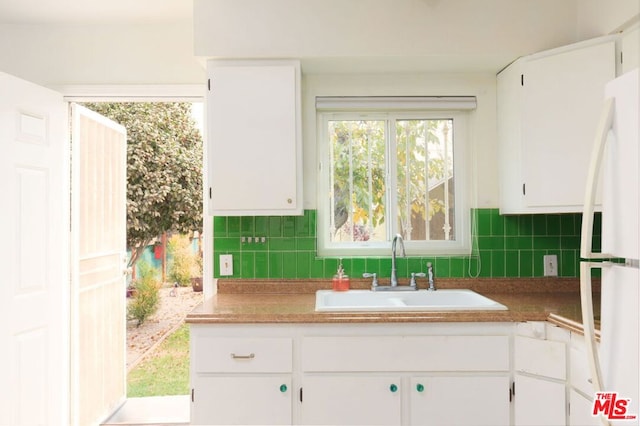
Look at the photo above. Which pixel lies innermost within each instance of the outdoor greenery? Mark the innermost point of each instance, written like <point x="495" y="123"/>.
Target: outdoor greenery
<point x="184" y="262"/>
<point x="166" y="371"/>
<point x="146" y="296"/>
<point x="164" y="169"/>
<point x="359" y="163"/>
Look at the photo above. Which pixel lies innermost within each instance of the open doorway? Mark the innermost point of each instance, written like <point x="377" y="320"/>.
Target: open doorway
<point x="161" y="327"/>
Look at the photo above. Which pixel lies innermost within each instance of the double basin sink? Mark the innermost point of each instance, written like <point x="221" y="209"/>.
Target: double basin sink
<point x="419" y="300"/>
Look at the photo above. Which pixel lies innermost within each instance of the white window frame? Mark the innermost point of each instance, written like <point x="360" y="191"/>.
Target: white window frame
<point x="461" y="245"/>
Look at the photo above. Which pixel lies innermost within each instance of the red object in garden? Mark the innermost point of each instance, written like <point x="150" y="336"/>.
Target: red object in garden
<point x="157" y="251"/>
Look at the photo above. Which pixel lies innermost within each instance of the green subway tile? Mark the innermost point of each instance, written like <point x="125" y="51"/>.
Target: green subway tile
<point x="511" y="226"/>
<point x="260" y="246"/>
<point x="275" y="226"/>
<point x="219" y="226"/>
<point x="526" y="263"/>
<point x="570" y="242"/>
<point x="247" y="268"/>
<point x="233" y="226"/>
<point x="303" y="261"/>
<point x="415" y="264"/>
<point x="275" y="265"/>
<point x="261" y="269"/>
<point x="306" y="244"/>
<point x="546" y="243"/>
<point x="498" y="263"/>
<point x="442" y="267"/>
<point x="372" y="265"/>
<point x="485" y="262"/>
<point x="518" y="243"/>
<point x="472" y="266"/>
<point x="330" y="267"/>
<point x="289" y="226"/>
<point x="512" y="263"/>
<point x="483" y="222"/>
<point x="247" y="226"/>
<point x="261" y="226"/>
<point x="538" y="262"/>
<point x="385" y="267"/>
<point x="567" y="224"/>
<point x="222" y="245"/>
<point x="346" y="265"/>
<point x="597" y="224"/>
<point x="312" y="222"/>
<point x="568" y="260"/>
<point x="525" y="225"/>
<point x="596" y="244"/>
<point x="553" y="224"/>
<point x="302" y="226"/>
<point x="491" y="243"/>
<point x="317" y="268"/>
<point x="457" y="267"/>
<point x="497" y="223"/>
<point x="289" y="265"/>
<point x="358" y="267"/>
<point x="539" y="224"/>
<point x="280" y="244"/>
<point x="402" y="267"/>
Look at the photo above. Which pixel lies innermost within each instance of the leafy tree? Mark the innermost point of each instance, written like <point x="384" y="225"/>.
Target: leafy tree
<point x="164" y="169"/>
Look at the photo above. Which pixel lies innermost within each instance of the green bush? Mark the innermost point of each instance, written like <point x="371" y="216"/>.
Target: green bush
<point x="147" y="294"/>
<point x="183" y="261"/>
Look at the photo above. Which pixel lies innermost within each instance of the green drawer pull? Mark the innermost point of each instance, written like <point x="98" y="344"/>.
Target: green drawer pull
<point x="283" y="388"/>
<point x="393" y="388"/>
<point x="420" y="387"/>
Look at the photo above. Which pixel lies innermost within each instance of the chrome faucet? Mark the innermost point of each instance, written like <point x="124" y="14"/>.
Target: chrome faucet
<point x="432" y="286"/>
<point x="394" y="272"/>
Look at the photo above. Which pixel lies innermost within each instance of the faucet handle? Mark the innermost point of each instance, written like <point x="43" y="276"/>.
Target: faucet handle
<point x="374" y="283"/>
<point x="413" y="283"/>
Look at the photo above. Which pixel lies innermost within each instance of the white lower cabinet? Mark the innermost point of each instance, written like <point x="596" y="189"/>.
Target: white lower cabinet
<point x="539" y="401"/>
<point x="351" y="400"/>
<point x="244" y="400"/>
<point x="459" y="400"/>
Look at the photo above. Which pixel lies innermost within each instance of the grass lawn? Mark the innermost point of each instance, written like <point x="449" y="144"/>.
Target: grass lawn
<point x="165" y="372"/>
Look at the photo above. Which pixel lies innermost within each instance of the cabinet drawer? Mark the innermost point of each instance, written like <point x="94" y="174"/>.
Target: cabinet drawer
<point x="411" y="353"/>
<point x="541" y="357"/>
<point x="580" y="376"/>
<point x="242" y="355"/>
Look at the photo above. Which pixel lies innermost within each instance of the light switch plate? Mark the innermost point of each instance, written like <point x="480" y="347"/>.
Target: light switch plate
<point x="550" y="265"/>
<point x="226" y="264"/>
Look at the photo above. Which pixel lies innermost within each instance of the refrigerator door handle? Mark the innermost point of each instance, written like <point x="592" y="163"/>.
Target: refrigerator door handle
<point x="602" y="134"/>
<point x="588" y="324"/>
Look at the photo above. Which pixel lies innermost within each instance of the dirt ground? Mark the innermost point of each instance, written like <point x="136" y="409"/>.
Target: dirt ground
<point x="171" y="313"/>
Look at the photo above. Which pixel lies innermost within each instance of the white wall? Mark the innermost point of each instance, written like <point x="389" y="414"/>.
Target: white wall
<point x="478" y="35"/>
<point x="55" y="55"/>
<point x="482" y="120"/>
<point x="600" y="17"/>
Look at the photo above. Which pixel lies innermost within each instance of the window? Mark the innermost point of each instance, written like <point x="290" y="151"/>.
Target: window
<point x="388" y="171"/>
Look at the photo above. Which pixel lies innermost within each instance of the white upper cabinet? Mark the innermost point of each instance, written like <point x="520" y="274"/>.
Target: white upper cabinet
<point x="630" y="46"/>
<point x="254" y="138"/>
<point x="548" y="107"/>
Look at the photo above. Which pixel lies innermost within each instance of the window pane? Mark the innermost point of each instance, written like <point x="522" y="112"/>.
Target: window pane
<point x="358" y="180"/>
<point x="425" y="179"/>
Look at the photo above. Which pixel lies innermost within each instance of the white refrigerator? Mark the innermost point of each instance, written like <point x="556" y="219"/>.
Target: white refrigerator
<point x="615" y="158"/>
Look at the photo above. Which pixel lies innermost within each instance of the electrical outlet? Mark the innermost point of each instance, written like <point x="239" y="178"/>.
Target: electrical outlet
<point x="550" y="265"/>
<point x="226" y="264"/>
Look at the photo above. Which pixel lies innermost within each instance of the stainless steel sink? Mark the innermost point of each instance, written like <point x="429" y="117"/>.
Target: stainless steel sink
<point x="421" y="300"/>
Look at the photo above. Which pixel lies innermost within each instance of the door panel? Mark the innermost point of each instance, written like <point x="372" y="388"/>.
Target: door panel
<point x="34" y="255"/>
<point x="98" y="246"/>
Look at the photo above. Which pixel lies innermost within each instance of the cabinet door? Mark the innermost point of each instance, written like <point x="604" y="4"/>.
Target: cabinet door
<point x="580" y="411"/>
<point x="254" y="144"/>
<point x="459" y="400"/>
<point x="351" y="400"/>
<point x="539" y="402"/>
<point x="242" y="400"/>
<point x="563" y="95"/>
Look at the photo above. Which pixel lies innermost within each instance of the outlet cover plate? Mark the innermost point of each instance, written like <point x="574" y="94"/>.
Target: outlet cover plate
<point x="550" y="265"/>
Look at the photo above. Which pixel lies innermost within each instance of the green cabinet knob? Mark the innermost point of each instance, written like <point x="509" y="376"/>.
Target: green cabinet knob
<point x="393" y="388"/>
<point x="283" y="388"/>
<point x="420" y="387"/>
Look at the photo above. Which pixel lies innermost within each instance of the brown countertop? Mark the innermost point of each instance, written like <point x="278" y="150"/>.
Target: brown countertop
<point x="293" y="301"/>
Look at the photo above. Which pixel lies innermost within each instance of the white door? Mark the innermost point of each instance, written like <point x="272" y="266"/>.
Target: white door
<point x="98" y="217"/>
<point x="34" y="254"/>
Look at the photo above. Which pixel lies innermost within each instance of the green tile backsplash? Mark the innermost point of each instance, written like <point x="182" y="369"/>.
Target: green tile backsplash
<point x="503" y="246"/>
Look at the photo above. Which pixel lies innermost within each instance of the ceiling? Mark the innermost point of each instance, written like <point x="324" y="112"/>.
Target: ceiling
<point x="90" y="11"/>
